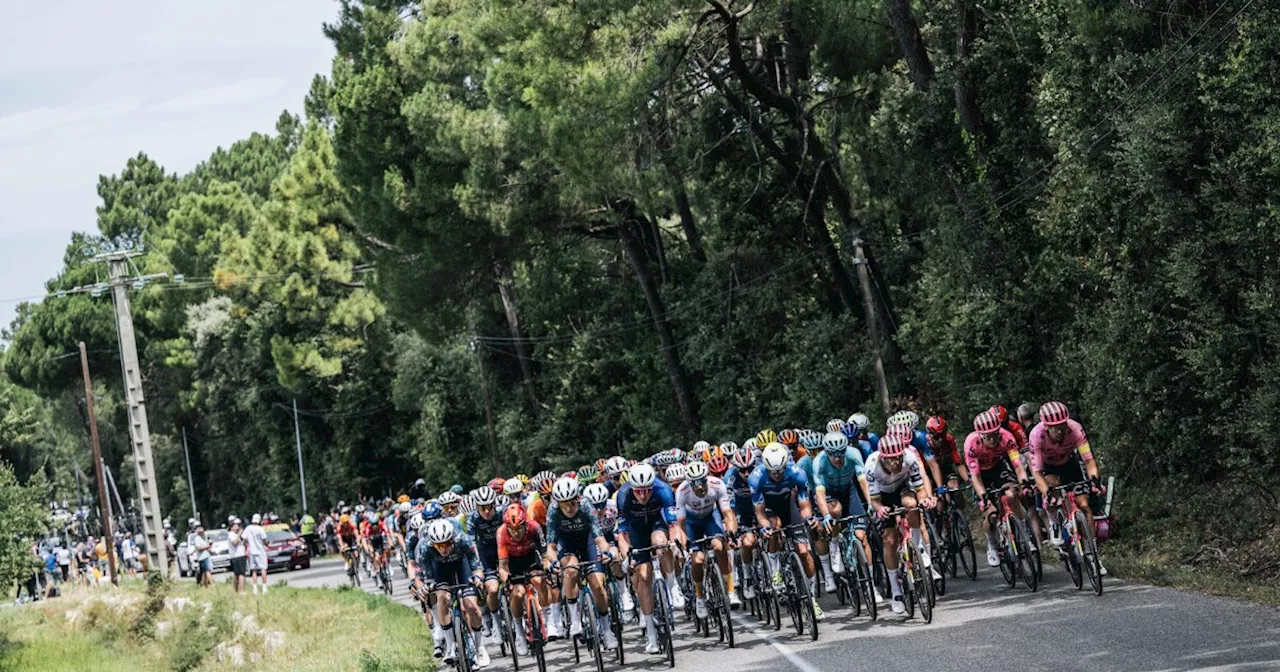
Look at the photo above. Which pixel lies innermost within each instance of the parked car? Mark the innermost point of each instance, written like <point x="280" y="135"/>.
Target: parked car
<point x="286" y="550"/>
<point x="219" y="551"/>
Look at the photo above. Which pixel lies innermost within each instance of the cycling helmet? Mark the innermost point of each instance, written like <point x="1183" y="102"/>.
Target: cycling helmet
<point x="545" y="485"/>
<point x="441" y="532"/>
<point x="835" y="425"/>
<point x="372" y="517"/>
<point x="448" y="497"/>
<point x="718" y="465"/>
<point x="810" y="439"/>
<point x="711" y="453"/>
<point x="907" y="418"/>
<point x="700" y="447"/>
<point x="497" y="483"/>
<point x="484" y="497"/>
<point x="344" y="518"/>
<point x="359" y="508"/>
<point x="588" y="475"/>
<point x="403" y="507"/>
<point x="596" y="494"/>
<point x="677" y="455"/>
<point x="416" y="522"/>
<point x="697" y="471"/>
<point x="599" y="465"/>
<point x="345" y="509"/>
<point x="903" y="432"/>
<point x="860" y="421"/>
<point x="614" y="465"/>
<point x="432" y="511"/>
<point x="766" y="437"/>
<point x="467" y="505"/>
<point x="936" y="425"/>
<point x="789" y="437"/>
<point x="566" y="489"/>
<point x="570" y="474"/>
<point x="676" y="473"/>
<point x="456" y="489"/>
<point x="892" y="446"/>
<point x="986" y="422"/>
<point x="744" y="459"/>
<point x="835" y="443"/>
<point x="750" y="447"/>
<point x="643" y="476"/>
<point x="775" y="457"/>
<point x="729" y="448"/>
<point x="503" y="502"/>
<point x="1054" y="413"/>
<point x="515" y="516"/>
<point x="513" y="487"/>
<point x="1002" y="413"/>
<point x="402" y="499"/>
<point x="523" y="478"/>
<point x="546" y="474"/>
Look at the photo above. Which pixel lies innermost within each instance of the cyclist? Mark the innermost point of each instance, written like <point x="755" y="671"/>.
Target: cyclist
<point x="738" y="479"/>
<point x="780" y="494"/>
<point x="520" y="549"/>
<point x="698" y="500"/>
<point x="347" y="538"/>
<point x="905" y="423"/>
<point x="449" y="558"/>
<point x="791" y="439"/>
<point x="1059" y="450"/>
<point x="538" y="507"/>
<point x="1012" y="426"/>
<point x="860" y="434"/>
<point x="642" y="504"/>
<point x="374" y="536"/>
<point x="948" y="457"/>
<point x="896" y="478"/>
<point x="835" y="471"/>
<point x="991" y="452"/>
<point x="718" y="466"/>
<point x="811" y="444"/>
<point x="575" y="535"/>
<point x="613" y="469"/>
<point x="601" y="505"/>
<point x="482" y="525"/>
<point x="1028" y="413"/>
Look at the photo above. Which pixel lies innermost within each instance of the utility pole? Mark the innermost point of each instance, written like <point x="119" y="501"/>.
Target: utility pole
<point x="103" y="502"/>
<point x="111" y="483"/>
<point x="869" y="307"/>
<point x="191" y="487"/>
<point x="297" y="439"/>
<point x="135" y="402"/>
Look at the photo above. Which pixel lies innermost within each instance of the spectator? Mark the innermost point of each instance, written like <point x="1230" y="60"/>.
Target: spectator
<point x="256" y="538"/>
<point x="203" y="557"/>
<point x="84" y="561"/>
<point x="100" y="552"/>
<point x="239" y="552"/>
<point x="51" y="564"/>
<point x="307" y="528"/>
<point x="327" y="532"/>
<point x="64" y="561"/>
<point x="128" y="554"/>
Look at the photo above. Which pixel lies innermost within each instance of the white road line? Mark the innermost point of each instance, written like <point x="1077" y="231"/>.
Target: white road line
<point x="786" y="651"/>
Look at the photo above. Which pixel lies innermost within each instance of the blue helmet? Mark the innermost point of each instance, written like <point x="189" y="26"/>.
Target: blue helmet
<point x="432" y="510"/>
<point x="456" y="489"/>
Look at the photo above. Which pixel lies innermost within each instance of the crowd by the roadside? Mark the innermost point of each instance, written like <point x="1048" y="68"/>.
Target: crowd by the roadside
<point x="84" y="562"/>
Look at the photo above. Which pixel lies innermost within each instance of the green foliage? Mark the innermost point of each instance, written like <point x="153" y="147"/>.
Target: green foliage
<point x="24" y="515"/>
<point x="144" y="623"/>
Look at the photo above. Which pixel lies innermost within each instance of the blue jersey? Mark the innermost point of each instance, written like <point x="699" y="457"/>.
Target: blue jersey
<point x="833" y="480"/>
<point x="572" y="532"/>
<point x="805" y="464"/>
<point x="866" y="449"/>
<point x="920" y="441"/>
<point x="644" y="515"/>
<point x="484" y="532"/>
<point x="739" y="485"/>
<point x="872" y="439"/>
<point x="775" y="494"/>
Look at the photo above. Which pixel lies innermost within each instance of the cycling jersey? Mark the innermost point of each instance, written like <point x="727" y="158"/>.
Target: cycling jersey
<point x="347" y="531"/>
<point x="1019" y="434"/>
<point x="631" y="513"/>
<point x="370" y="530"/>
<point x="704" y="506"/>
<point x="920" y="441"/>
<point x="739" y="483"/>
<point x="805" y="464"/>
<point x="485" y="532"/>
<point x="764" y="489"/>
<point x="946" y="452"/>
<point x="882" y="481"/>
<point x="978" y="457"/>
<point x="538" y="511"/>
<point x="866" y="448"/>
<point x="837" y="480"/>
<point x="454" y="567"/>
<point x="572" y="532"/>
<point x="1047" y="453"/>
<point x="509" y="547"/>
<point x="607" y="516"/>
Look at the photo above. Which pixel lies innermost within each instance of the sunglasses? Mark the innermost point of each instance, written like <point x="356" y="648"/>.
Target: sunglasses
<point x="443" y="546"/>
<point x="699" y="483"/>
<point x="642" y="491"/>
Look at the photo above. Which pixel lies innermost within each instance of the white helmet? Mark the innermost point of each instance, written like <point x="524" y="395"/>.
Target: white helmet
<point x="775" y="457"/>
<point x="836" y="441"/>
<point x="416" y="522"/>
<point x="860" y="421"/>
<point x="596" y="493"/>
<point x="835" y="425"/>
<point x="484" y="496"/>
<point x="729" y="449"/>
<point x="448" y="497"/>
<point x="616" y="465"/>
<point x="441" y="531"/>
<point x="359" y="509"/>
<point x="676" y="473"/>
<point x="565" y="489"/>
<point x="750" y="445"/>
<point x="403" y="507"/>
<point x="907" y="418"/>
<point x="467" y="504"/>
<point x="512" y="487"/>
<point x="503" y="502"/>
<point x="700" y="446"/>
<point x="695" y="471"/>
<point x="642" y="476"/>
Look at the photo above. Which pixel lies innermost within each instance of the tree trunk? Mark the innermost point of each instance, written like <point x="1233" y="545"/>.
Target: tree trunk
<point x="686" y="401"/>
<point x="507" y="290"/>
<point x="689" y="225"/>
<point x="966" y="105"/>
<point x="912" y="44"/>
<point x="659" y="250"/>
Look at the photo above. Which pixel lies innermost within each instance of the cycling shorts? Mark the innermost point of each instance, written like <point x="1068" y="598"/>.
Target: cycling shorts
<point x="455" y="573"/>
<point x="641" y="535"/>
<point x="997" y="477"/>
<point x="697" y="528"/>
<point x="849" y="506"/>
<point x="489" y="560"/>
<point x="523" y="564"/>
<point x="377" y="542"/>
<point x="585" y="551"/>
<point x="1067" y="473"/>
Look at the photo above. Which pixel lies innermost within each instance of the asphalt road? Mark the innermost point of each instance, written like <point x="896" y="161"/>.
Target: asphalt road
<point x="978" y="625"/>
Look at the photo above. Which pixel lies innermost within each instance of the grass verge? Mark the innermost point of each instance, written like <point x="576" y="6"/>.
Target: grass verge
<point x="213" y="629"/>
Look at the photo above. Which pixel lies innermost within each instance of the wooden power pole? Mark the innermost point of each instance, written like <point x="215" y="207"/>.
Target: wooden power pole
<point x="103" y="501"/>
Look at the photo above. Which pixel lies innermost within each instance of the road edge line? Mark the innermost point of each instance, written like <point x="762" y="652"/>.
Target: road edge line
<point x="786" y="651"/>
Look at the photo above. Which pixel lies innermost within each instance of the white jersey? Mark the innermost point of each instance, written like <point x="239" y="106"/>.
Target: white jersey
<point x="880" y="480"/>
<point x="689" y="502"/>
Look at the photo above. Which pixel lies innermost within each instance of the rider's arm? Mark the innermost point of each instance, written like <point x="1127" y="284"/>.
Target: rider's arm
<point x="726" y="509"/>
<point x="757" y="497"/>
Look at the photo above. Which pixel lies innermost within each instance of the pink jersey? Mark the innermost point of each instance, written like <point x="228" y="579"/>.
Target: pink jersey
<point x="1044" y="451"/>
<point x="978" y="457"/>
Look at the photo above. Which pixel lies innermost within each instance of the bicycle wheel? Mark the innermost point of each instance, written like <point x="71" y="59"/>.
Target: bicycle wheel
<point x="724" y="619"/>
<point x="462" y="642"/>
<point x="1067" y="551"/>
<point x="511" y="645"/>
<point x="866" y="587"/>
<point x="536" y="632"/>
<point x="1026" y="564"/>
<point x="964" y="544"/>
<point x="804" y="600"/>
<point x="591" y="638"/>
<point x="1089" y="551"/>
<point x="937" y="553"/>
<point x="1008" y="566"/>
<point x="615" y="616"/>
<point x="662" y="612"/>
<point x="791" y="592"/>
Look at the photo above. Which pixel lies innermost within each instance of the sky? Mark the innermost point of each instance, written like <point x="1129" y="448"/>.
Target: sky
<point x="84" y="85"/>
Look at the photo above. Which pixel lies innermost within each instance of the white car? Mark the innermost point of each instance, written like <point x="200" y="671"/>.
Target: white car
<point x="220" y="553"/>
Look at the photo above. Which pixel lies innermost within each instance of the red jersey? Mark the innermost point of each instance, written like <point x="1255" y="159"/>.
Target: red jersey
<point x="944" y="450"/>
<point x="1019" y="434"/>
<point x="510" y="547"/>
<point x="371" y="530"/>
<point x="347" y="530"/>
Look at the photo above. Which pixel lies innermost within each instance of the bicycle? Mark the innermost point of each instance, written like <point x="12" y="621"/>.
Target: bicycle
<point x="353" y="573"/>
<point x="715" y="593"/>
<point x="586" y="612"/>
<point x="384" y="572"/>
<point x="956" y="537"/>
<point x="770" y="611"/>
<point x="1079" y="550"/>
<point x="856" y="581"/>
<point x="535" y="629"/>
<point x="663" y="618"/>
<point x="917" y="589"/>
<point x="795" y="585"/>
<point x="465" y="654"/>
<point x="1013" y="545"/>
